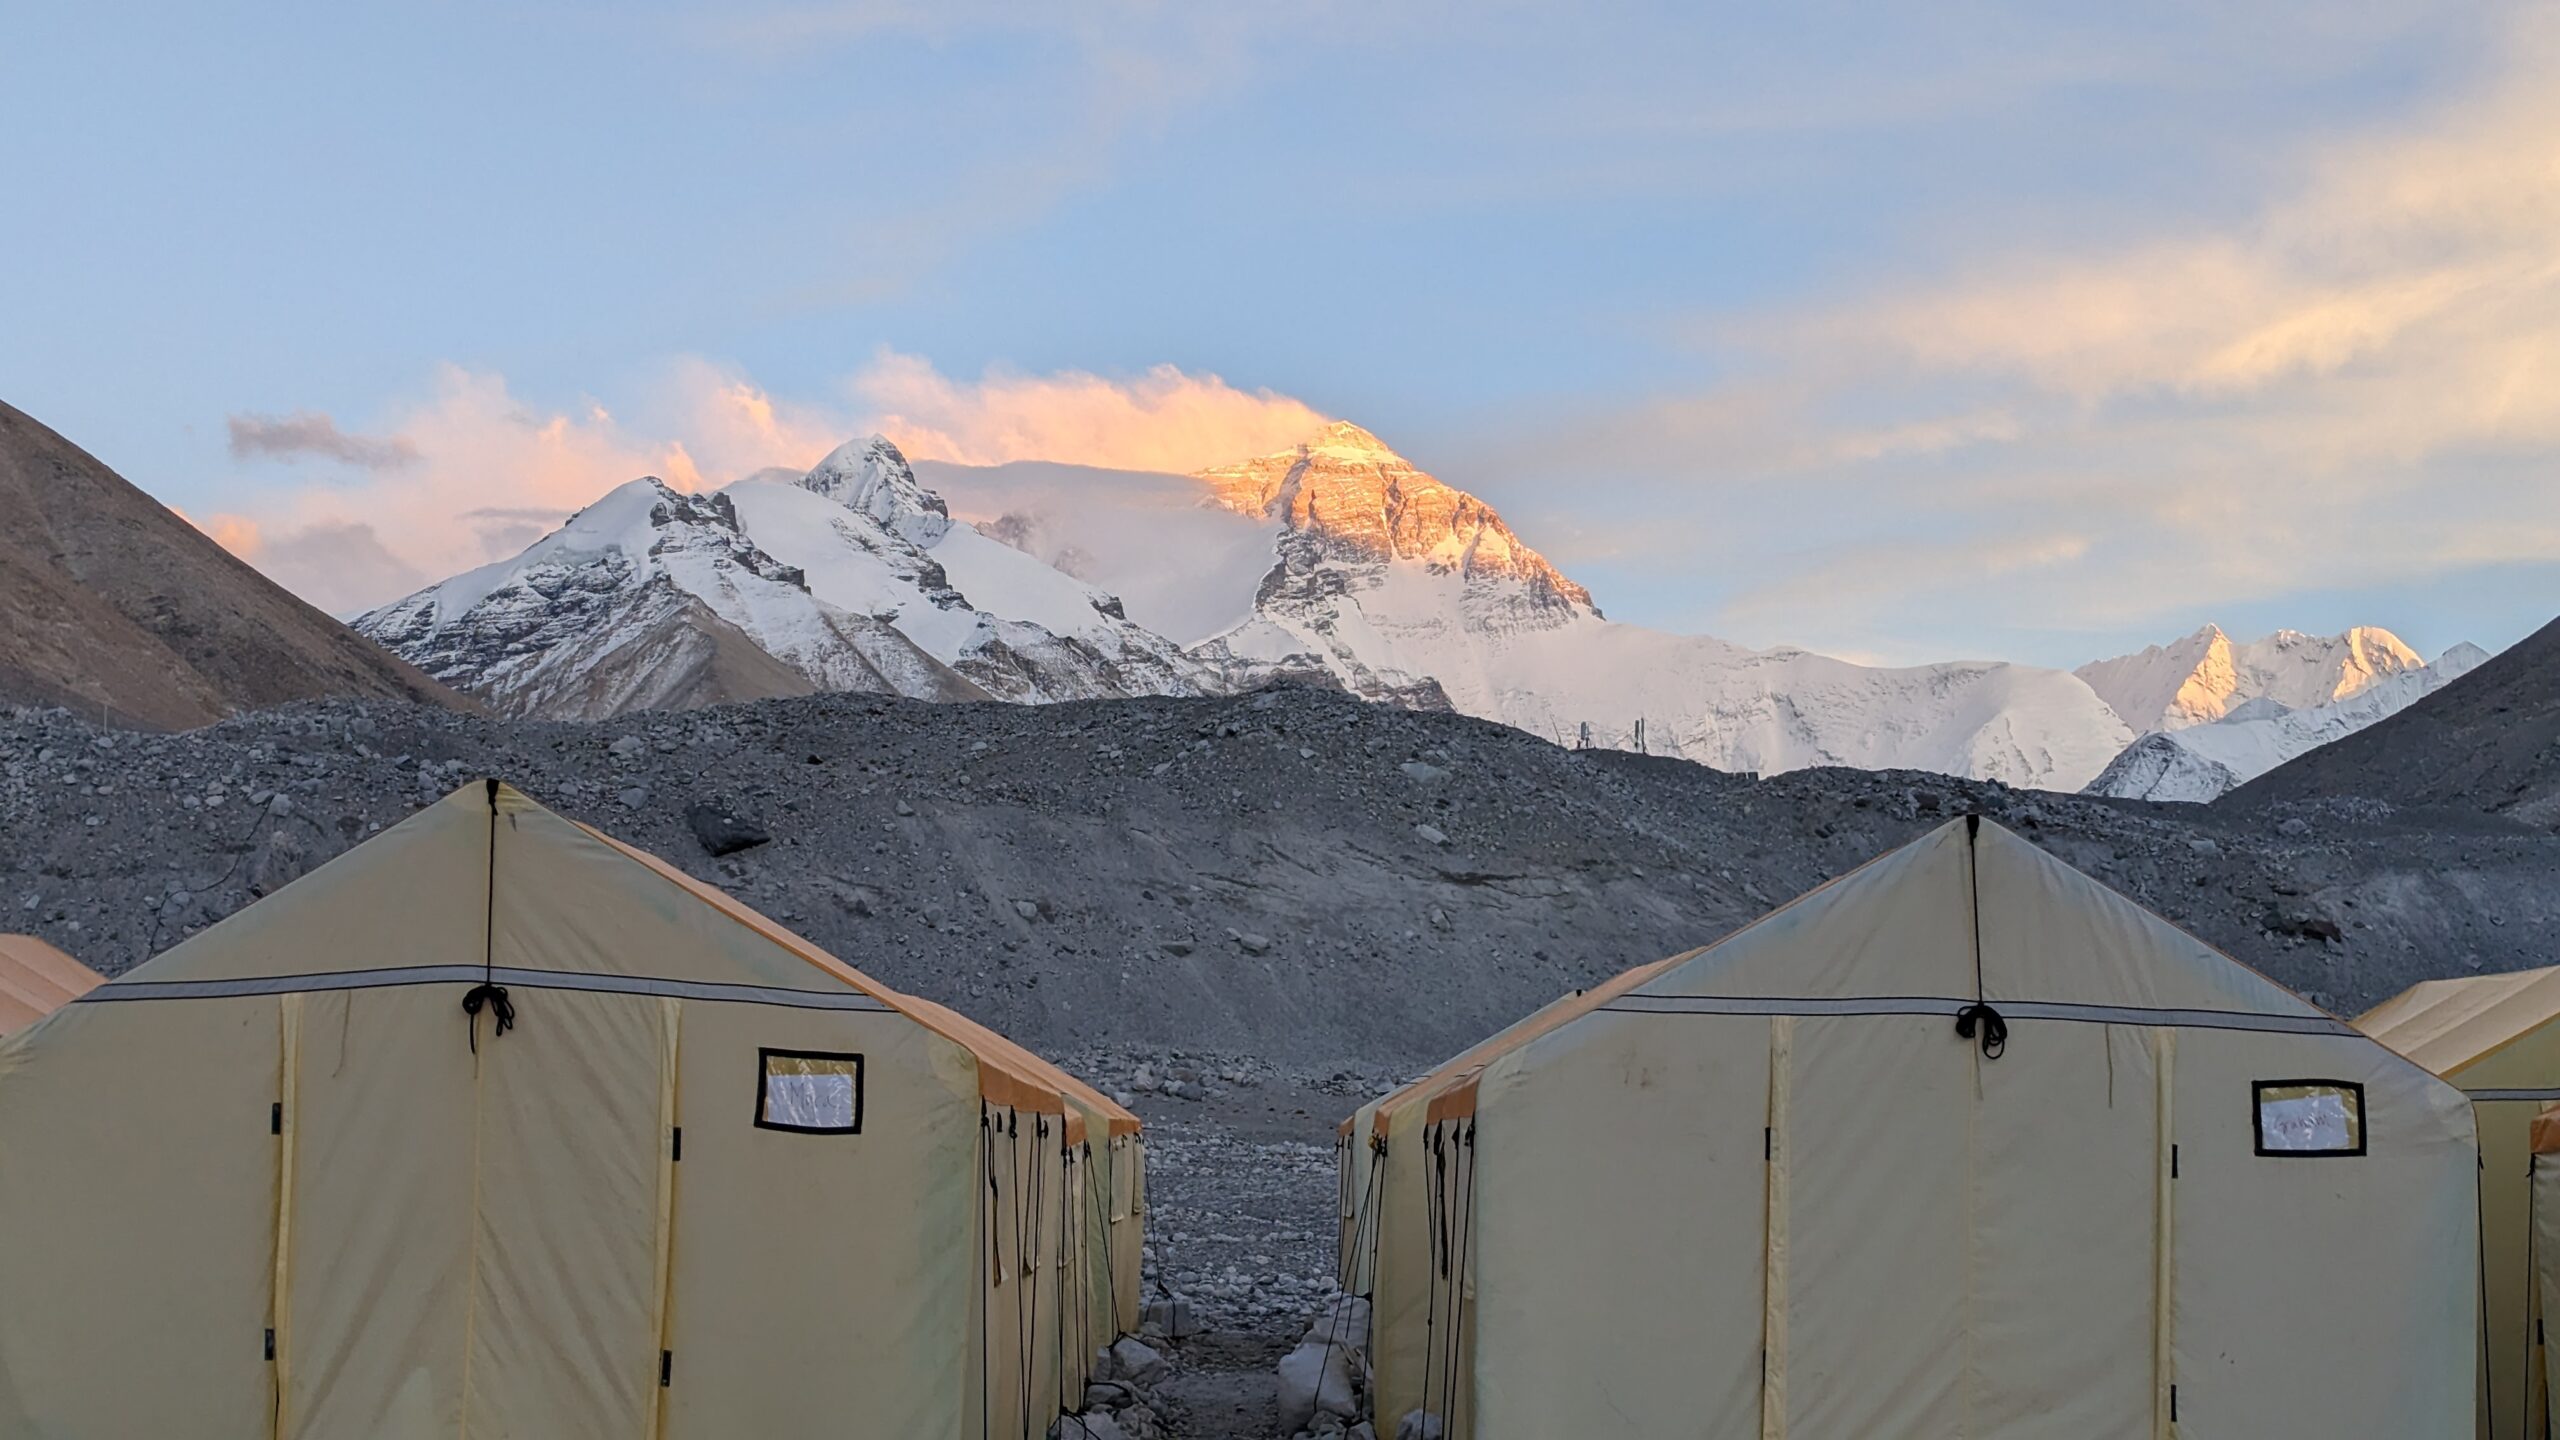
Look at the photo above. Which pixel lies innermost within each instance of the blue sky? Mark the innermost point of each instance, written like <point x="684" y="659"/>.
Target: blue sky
<point x="1900" y="332"/>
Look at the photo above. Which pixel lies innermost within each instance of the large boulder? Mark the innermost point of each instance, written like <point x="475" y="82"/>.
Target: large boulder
<point x="722" y="830"/>
<point x="1132" y="1361"/>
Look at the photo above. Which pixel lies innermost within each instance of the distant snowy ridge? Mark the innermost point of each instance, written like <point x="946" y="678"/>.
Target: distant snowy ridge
<point x="648" y="598"/>
<point x="1371" y="574"/>
<point x="850" y="577"/>
<point x="2204" y="677"/>
<point x="2203" y="761"/>
<point x="1404" y="588"/>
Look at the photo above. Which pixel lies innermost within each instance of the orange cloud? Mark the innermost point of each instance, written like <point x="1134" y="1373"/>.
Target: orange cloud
<point x="488" y="473"/>
<point x="1166" y="419"/>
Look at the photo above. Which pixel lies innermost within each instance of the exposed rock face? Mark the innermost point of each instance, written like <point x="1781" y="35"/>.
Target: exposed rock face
<point x="2157" y="767"/>
<point x="1355" y="499"/>
<point x="870" y="477"/>
<point x="847" y="578"/>
<point x="2201" y="761"/>
<point x="110" y="602"/>
<point x="1406" y="590"/>
<point x="646" y="599"/>
<point x="2489" y="741"/>
<point x="2205" y="676"/>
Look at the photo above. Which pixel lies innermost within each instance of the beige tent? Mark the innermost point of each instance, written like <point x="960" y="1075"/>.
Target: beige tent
<point x="2498" y="1038"/>
<point x="1802" y="1183"/>
<point x="687" y="1176"/>
<point x="36" y="980"/>
<point x="2542" y="1260"/>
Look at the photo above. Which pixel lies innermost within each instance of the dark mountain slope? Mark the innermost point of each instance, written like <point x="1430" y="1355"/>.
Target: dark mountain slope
<point x="2489" y="741"/>
<point x="110" y="601"/>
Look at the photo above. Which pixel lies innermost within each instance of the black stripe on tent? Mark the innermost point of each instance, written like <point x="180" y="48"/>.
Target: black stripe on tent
<point x="126" y="990"/>
<point x="1810" y="1006"/>
<point x="2546" y="1093"/>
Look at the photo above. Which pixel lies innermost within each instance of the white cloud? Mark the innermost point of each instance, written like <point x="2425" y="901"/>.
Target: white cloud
<point x="2354" y="384"/>
<point x="486" y="472"/>
<point x="1164" y="419"/>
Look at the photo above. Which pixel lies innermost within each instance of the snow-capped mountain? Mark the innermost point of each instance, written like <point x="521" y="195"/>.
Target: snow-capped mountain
<point x="1405" y="588"/>
<point x="850" y="577"/>
<point x="2203" y="677"/>
<point x="1370" y="573"/>
<point x="649" y="598"/>
<point x="2203" y="761"/>
<point x="871" y="539"/>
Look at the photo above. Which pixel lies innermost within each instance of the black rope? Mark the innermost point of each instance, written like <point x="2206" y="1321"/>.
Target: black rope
<point x="1066" y="1273"/>
<point x="995" y="1201"/>
<point x="987" y="1223"/>
<point x="2532" y="1291"/>
<point x="1377" y="1226"/>
<point x="1993" y="1029"/>
<point x="2480" y="1203"/>
<point x="1023" y="1322"/>
<point x="1362" y="1216"/>
<point x="495" y="998"/>
<point x="1978" y="1018"/>
<point x="1458" y="1282"/>
<point x="1432" y="1186"/>
<point x="489" y="993"/>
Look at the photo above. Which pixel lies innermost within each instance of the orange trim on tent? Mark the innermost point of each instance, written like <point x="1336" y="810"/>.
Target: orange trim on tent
<point x="2546" y="1131"/>
<point x="1452" y="1088"/>
<point x="36" y="979"/>
<point x="1008" y="1075"/>
<point x="2448" y="1026"/>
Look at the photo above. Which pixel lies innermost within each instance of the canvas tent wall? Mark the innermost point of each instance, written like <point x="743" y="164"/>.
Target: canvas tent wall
<point x="35" y="980"/>
<point x="708" y="1181"/>
<point x="2542" y="1260"/>
<point x="2497" y="1037"/>
<point x="1768" y="1189"/>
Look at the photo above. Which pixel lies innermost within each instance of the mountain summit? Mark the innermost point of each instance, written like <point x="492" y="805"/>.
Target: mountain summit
<point x="2214" y="713"/>
<point x="2206" y="676"/>
<point x="1358" y="500"/>
<point x="851" y="576"/>
<point x="872" y="476"/>
<point x="1337" y="560"/>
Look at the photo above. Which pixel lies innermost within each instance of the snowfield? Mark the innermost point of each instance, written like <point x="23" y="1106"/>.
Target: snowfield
<point x="1337" y="558"/>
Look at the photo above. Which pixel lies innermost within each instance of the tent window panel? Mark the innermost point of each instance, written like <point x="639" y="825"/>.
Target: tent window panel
<point x="809" y="1092"/>
<point x="2309" y="1117"/>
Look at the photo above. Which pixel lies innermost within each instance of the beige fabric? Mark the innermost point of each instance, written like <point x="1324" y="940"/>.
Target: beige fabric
<point x="2065" y="1241"/>
<point x="1879" y="1262"/>
<point x="36" y="980"/>
<point x="563" y="1331"/>
<point x="283" y="1125"/>
<point x="765" y="1343"/>
<point x="2492" y="1033"/>
<point x="2062" y="1315"/>
<point x="2294" y="1273"/>
<point x="2450" y="1025"/>
<point x="384" y="1129"/>
<point x="1555" y="1276"/>
<point x="2544" y="1249"/>
<point x="137" y="1217"/>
